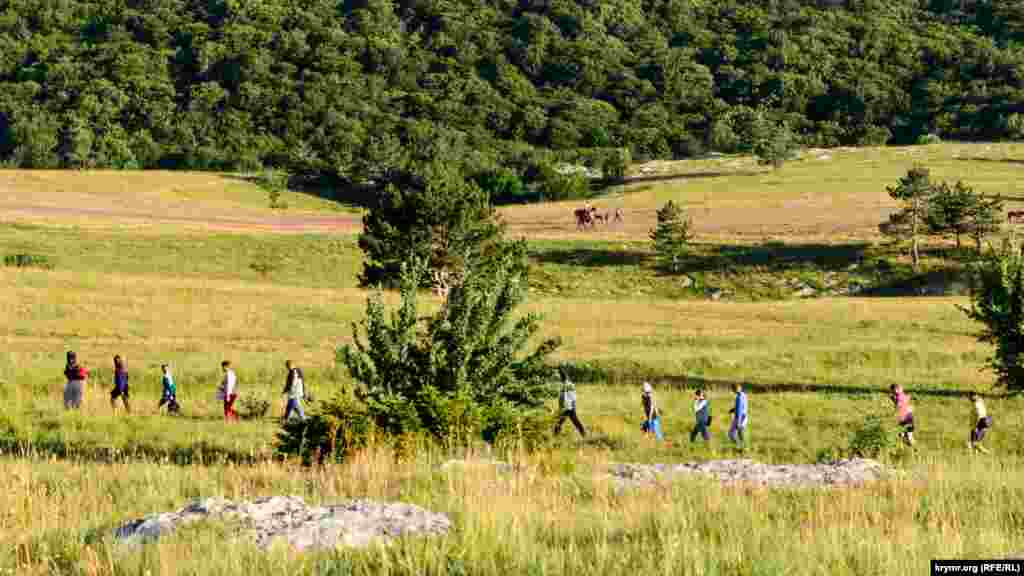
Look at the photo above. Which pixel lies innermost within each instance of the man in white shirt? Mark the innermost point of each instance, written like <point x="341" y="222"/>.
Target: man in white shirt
<point x="228" y="391"/>
<point x="293" y="388"/>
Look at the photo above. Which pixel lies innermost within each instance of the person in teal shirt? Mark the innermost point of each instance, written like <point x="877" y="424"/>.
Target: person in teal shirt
<point x="170" y="391"/>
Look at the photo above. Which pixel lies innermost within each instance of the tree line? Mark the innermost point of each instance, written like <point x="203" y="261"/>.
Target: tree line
<point x="356" y="90"/>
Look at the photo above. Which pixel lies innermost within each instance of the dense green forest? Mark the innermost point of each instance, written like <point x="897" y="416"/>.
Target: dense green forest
<point x="352" y="89"/>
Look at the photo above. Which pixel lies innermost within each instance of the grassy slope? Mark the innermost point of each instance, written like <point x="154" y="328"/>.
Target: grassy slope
<point x="194" y="300"/>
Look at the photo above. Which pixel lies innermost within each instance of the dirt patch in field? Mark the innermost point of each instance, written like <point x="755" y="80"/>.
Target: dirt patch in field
<point x="285" y="223"/>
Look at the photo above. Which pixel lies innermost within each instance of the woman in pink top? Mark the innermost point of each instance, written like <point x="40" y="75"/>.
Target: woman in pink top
<point x="904" y="413"/>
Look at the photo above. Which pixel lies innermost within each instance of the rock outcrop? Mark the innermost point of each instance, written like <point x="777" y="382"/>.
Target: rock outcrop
<point x="287" y="518"/>
<point x="844" y="472"/>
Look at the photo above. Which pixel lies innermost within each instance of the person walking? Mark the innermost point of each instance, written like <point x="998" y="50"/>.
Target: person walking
<point x="120" y="385"/>
<point x="904" y="413"/>
<point x="169" y="396"/>
<point x="739" y="417"/>
<point x="982" y="422"/>
<point x="293" y="387"/>
<point x="702" y="413"/>
<point x="567" y="406"/>
<point x="76" y="375"/>
<point x="228" y="391"/>
<point x="652" y="416"/>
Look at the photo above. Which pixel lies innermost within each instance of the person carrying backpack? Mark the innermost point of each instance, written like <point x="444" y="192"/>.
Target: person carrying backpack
<point x="904" y="413"/>
<point x="120" y="385"/>
<point x="702" y="413"/>
<point x="169" y="395"/>
<point x="293" y="387"/>
<point x="652" y="416"/>
<point x="567" y="405"/>
<point x="76" y="375"/>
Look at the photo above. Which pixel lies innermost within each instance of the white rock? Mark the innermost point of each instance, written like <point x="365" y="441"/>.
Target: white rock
<point x="287" y="518"/>
<point x="844" y="472"/>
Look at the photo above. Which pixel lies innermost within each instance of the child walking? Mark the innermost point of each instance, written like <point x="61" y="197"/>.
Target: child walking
<point x="170" y="391"/>
<point x="120" y="385"/>
<point x="904" y="413"/>
<point x="982" y="422"/>
<point x="702" y="412"/>
<point x="76" y="375"/>
<point x="652" y="417"/>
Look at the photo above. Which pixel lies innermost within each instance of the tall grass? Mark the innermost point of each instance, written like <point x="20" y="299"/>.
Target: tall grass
<point x="540" y="520"/>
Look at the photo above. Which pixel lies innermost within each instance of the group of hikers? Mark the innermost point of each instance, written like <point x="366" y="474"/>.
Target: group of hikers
<point x="227" y="393"/>
<point x="651" y="424"/>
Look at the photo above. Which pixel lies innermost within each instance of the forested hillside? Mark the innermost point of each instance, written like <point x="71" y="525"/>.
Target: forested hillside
<point x="350" y="88"/>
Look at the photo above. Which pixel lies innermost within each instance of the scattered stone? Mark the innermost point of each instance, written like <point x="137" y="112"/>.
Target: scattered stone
<point x="266" y="520"/>
<point x="686" y="282"/>
<point x="842" y="473"/>
<point x="805" y="291"/>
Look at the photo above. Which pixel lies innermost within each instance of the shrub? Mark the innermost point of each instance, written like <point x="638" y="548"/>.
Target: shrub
<point x="928" y="139"/>
<point x="873" y="439"/>
<point x="455" y="376"/>
<point x="557" y="186"/>
<point x="27" y="260"/>
<point x="997" y="302"/>
<point x="875" y="136"/>
<point x="503" y="186"/>
<point x="253" y="407"/>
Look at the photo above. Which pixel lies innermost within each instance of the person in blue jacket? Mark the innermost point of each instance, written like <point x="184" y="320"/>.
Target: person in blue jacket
<point x="739" y="416"/>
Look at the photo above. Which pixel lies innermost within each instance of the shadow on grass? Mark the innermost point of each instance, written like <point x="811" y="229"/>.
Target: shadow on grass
<point x="346" y="195"/>
<point x="995" y="160"/>
<point x="776" y="257"/>
<point x="609" y="182"/>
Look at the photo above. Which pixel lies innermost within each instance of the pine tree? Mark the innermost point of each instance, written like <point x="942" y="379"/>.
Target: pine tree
<point x="985" y="217"/>
<point x="914" y="191"/>
<point x="671" y="235"/>
<point x="949" y="209"/>
<point x="433" y="214"/>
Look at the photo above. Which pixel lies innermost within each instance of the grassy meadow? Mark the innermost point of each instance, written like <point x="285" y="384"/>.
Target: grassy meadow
<point x="816" y="368"/>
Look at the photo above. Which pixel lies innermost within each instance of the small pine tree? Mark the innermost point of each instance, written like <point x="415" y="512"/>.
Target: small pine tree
<point x="464" y="372"/>
<point x="949" y="209"/>
<point x="775" y="145"/>
<point x="914" y="191"/>
<point x="985" y="217"/>
<point x="997" y="302"/>
<point x="671" y="236"/>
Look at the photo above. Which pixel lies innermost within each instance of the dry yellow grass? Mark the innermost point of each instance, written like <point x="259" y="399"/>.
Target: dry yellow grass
<point x="826" y="196"/>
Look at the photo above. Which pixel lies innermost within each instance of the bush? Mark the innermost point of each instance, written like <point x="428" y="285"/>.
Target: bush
<point x="27" y="260"/>
<point x="450" y="378"/>
<point x="555" y="186"/>
<point x="874" y="438"/>
<point x="875" y="136"/>
<point x="997" y="302"/>
<point x="928" y="139"/>
<point x="504" y="186"/>
<point x="253" y="407"/>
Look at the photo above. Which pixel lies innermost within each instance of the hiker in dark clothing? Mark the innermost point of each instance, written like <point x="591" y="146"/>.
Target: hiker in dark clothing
<point x="567" y="406"/>
<point x="702" y="412"/>
<point x="293" y="387"/>
<point x="120" y="384"/>
<point x="76" y="375"/>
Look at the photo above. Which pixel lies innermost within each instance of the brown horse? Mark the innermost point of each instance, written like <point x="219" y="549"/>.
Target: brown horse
<point x="584" y="217"/>
<point x="1014" y="215"/>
